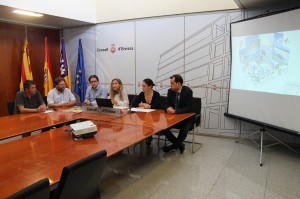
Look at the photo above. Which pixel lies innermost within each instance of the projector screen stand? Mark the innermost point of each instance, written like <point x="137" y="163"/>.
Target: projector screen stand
<point x="261" y="132"/>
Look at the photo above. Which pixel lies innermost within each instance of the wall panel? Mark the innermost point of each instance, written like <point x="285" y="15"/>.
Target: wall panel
<point x="11" y="45"/>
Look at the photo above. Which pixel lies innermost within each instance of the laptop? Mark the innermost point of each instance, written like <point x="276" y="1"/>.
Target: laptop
<point x="104" y="102"/>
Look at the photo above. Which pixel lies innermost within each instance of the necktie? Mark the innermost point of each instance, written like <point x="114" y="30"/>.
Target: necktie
<point x="177" y="100"/>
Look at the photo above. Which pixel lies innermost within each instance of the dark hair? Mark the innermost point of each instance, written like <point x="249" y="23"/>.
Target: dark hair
<point x="27" y="84"/>
<point x="149" y="82"/>
<point x="93" y="76"/>
<point x="59" y="79"/>
<point x="177" y="78"/>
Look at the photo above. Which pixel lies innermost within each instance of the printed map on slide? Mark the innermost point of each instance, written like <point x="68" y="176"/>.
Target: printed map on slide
<point x="264" y="57"/>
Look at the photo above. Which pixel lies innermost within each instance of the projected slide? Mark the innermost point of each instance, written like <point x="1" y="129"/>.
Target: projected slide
<point x="267" y="63"/>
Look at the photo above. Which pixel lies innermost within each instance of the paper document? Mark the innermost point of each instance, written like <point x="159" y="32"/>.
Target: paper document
<point x="76" y="109"/>
<point x="142" y="110"/>
<point x="48" y="111"/>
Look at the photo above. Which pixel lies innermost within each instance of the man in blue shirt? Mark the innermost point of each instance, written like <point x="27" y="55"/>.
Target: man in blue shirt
<point x="95" y="90"/>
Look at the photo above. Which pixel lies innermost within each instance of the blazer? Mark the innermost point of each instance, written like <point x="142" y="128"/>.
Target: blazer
<point x="185" y="104"/>
<point x="155" y="101"/>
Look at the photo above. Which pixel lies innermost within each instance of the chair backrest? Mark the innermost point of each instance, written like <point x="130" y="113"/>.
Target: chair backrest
<point x="197" y="109"/>
<point x="38" y="190"/>
<point x="163" y="100"/>
<point x="82" y="178"/>
<point x="131" y="98"/>
<point x="45" y="100"/>
<point x="11" y="107"/>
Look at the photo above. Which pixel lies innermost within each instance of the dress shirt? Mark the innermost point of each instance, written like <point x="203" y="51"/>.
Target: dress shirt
<point x="56" y="97"/>
<point x="92" y="94"/>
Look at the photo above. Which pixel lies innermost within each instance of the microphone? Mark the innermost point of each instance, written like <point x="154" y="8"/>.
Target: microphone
<point x="130" y="105"/>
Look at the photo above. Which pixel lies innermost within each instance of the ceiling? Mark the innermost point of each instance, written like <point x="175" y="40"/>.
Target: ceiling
<point x="251" y="4"/>
<point x="45" y="21"/>
<point x="60" y="22"/>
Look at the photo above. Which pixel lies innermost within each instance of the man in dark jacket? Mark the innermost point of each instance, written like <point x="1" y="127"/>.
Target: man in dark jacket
<point x="179" y="100"/>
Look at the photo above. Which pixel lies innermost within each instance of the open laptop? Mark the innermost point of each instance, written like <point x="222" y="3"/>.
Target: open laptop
<point x="104" y="102"/>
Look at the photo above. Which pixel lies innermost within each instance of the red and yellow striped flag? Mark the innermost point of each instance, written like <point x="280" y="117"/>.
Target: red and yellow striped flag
<point x="48" y="83"/>
<point x="26" y="73"/>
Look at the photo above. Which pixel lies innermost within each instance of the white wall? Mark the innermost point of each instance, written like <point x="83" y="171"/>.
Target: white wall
<point x="114" y="10"/>
<point x="99" y="11"/>
<point x="78" y="10"/>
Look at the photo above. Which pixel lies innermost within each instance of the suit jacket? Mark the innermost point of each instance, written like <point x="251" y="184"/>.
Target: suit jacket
<point x="185" y="104"/>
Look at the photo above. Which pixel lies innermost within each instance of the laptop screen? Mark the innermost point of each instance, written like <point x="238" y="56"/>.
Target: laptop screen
<point x="104" y="102"/>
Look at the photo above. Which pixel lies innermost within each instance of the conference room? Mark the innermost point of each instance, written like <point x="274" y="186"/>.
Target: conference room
<point x="238" y="58"/>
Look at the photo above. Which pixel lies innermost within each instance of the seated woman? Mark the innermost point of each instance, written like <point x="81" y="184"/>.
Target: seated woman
<point x="117" y="94"/>
<point x="148" y="98"/>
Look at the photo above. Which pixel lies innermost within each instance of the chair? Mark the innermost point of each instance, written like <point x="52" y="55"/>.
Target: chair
<point x="163" y="100"/>
<point x="45" y="100"/>
<point x="11" y="107"/>
<point x="197" y="105"/>
<point x="131" y="98"/>
<point x="82" y="178"/>
<point x="38" y="190"/>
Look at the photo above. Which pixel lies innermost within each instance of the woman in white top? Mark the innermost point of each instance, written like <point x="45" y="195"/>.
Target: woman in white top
<point x="118" y="94"/>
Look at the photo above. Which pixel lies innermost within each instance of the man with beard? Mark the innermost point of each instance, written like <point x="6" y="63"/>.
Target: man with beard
<point x="60" y="96"/>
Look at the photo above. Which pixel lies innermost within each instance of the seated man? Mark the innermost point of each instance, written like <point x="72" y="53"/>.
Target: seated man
<point x="179" y="100"/>
<point x="29" y="100"/>
<point x="60" y="96"/>
<point x="95" y="90"/>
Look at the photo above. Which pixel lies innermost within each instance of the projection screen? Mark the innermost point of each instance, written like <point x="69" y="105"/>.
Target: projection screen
<point x="265" y="71"/>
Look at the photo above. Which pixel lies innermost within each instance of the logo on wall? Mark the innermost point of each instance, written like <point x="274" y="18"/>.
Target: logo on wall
<point x="114" y="48"/>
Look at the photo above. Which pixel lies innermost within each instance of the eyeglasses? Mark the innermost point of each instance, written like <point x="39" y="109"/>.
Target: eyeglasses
<point x="93" y="81"/>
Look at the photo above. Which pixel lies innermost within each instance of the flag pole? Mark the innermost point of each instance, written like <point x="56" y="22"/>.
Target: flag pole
<point x="26" y="32"/>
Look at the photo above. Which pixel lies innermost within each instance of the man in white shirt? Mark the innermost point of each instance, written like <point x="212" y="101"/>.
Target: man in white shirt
<point x="60" y="96"/>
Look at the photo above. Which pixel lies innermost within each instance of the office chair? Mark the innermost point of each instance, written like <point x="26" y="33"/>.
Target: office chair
<point x="197" y="105"/>
<point x="11" y="107"/>
<point x="38" y="190"/>
<point x="131" y="98"/>
<point x="81" y="179"/>
<point x="163" y="100"/>
<point x="45" y="100"/>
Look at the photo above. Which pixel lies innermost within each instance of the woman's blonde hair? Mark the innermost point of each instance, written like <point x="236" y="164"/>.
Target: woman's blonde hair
<point x="113" y="93"/>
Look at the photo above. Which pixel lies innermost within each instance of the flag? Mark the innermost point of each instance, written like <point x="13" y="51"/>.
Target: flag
<point x="64" y="65"/>
<point x="48" y="82"/>
<point x="26" y="73"/>
<point x="80" y="83"/>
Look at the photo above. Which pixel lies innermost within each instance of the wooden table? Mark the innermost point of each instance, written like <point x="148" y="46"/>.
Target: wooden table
<point x="27" y="160"/>
<point x="14" y="125"/>
<point x="30" y="159"/>
<point x="157" y="119"/>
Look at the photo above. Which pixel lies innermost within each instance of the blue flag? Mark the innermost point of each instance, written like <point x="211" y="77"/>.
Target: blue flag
<point x="80" y="83"/>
